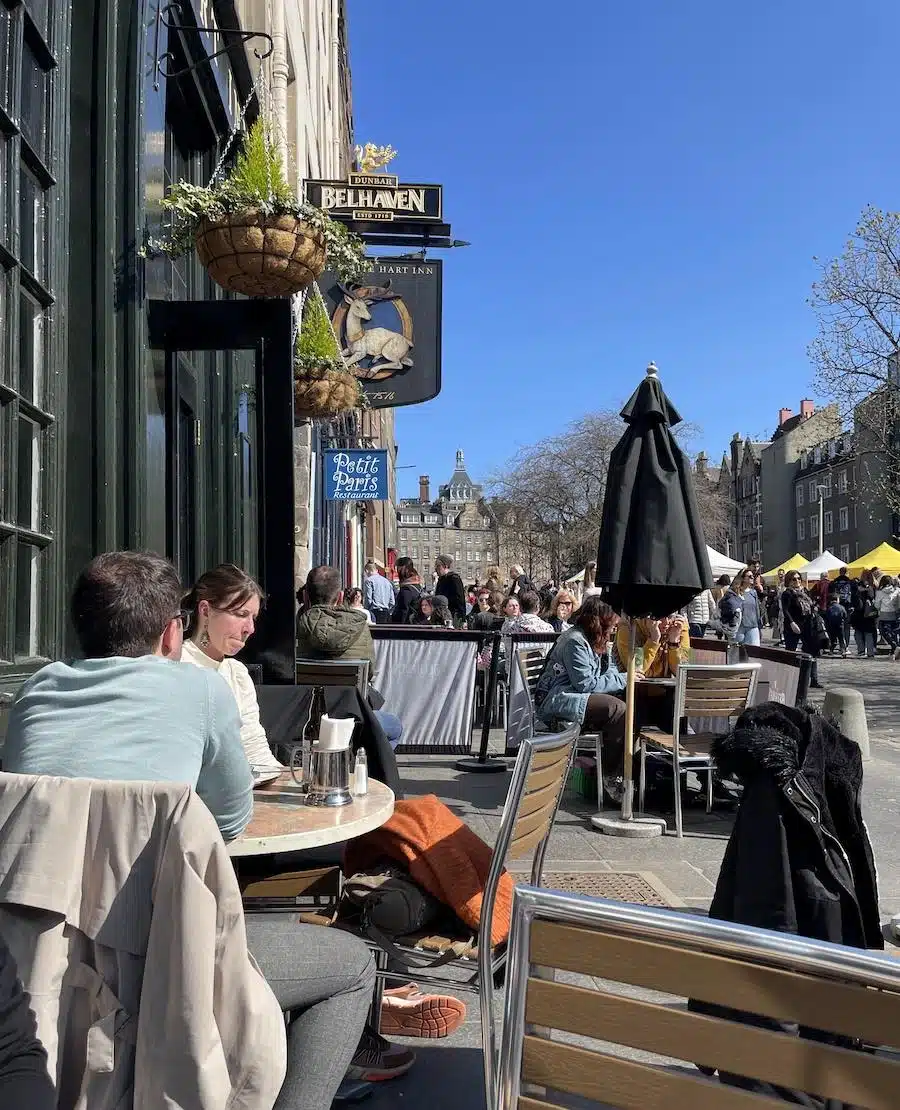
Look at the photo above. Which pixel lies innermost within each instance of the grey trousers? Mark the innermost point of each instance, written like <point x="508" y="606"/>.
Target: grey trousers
<point x="324" y="979"/>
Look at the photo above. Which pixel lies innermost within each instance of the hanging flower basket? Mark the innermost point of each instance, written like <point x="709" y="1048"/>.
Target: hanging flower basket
<point x="251" y="232"/>
<point x="261" y="255"/>
<point x="325" y="391"/>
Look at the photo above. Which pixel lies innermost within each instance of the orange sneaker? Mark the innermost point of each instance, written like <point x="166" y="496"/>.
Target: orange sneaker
<point x="421" y="1015"/>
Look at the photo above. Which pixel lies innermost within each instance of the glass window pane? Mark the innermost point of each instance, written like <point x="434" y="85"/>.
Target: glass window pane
<point x="26" y="600"/>
<point x="5" y="35"/>
<point x="32" y="224"/>
<point x="28" y="474"/>
<point x="31" y="349"/>
<point x="33" y="105"/>
<point x="37" y="9"/>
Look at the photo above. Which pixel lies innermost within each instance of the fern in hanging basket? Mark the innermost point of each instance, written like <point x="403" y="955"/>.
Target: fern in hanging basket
<point x="252" y="233"/>
<point x="323" y="386"/>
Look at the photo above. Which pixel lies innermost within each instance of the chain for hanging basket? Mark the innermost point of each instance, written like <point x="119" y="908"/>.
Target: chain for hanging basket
<point x="252" y="251"/>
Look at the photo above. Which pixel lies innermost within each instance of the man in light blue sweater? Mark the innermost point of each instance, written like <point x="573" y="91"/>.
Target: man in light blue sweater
<point x="130" y="709"/>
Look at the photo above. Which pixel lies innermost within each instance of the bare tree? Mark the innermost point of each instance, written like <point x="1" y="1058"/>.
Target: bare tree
<point x="549" y="496"/>
<point x="714" y="502"/>
<point x="856" y="354"/>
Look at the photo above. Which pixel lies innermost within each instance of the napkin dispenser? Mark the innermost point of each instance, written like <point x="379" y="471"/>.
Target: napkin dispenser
<point x="331" y="763"/>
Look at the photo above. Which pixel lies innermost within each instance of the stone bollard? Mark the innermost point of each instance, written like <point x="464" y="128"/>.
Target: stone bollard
<point x="846" y="710"/>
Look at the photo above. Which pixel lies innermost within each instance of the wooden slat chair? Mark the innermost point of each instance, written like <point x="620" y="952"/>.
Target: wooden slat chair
<point x="844" y="991"/>
<point x="531" y="664"/>
<point x="708" y="691"/>
<point x="538" y="777"/>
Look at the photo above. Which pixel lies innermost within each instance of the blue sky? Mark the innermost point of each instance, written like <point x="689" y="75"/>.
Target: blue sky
<point x="638" y="180"/>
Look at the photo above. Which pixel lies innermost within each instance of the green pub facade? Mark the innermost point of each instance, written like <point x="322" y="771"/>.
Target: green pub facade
<point x="139" y="408"/>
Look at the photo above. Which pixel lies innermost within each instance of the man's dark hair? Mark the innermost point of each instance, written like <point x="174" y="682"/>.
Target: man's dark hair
<point x="122" y="602"/>
<point x="445" y="561"/>
<point x="723" y="580"/>
<point x="529" y="601"/>
<point x="403" y="561"/>
<point x="323" y="586"/>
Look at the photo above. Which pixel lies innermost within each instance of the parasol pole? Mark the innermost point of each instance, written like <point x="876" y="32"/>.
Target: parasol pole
<point x="625" y="823"/>
<point x="627" y="801"/>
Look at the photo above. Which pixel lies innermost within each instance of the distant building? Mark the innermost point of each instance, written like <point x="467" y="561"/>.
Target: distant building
<point x="746" y="510"/>
<point x="762" y="476"/>
<point x="459" y="523"/>
<point x="829" y="469"/>
<point x="780" y="463"/>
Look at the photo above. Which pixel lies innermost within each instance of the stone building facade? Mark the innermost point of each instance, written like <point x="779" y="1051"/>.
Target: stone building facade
<point x="458" y="523"/>
<point x="829" y="469"/>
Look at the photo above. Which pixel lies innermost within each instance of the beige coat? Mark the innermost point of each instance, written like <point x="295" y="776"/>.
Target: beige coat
<point x="123" y="913"/>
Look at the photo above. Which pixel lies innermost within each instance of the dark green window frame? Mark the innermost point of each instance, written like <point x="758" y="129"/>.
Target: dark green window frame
<point x="33" y="135"/>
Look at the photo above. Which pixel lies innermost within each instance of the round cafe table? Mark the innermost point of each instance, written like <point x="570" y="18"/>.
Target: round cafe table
<point x="283" y="822"/>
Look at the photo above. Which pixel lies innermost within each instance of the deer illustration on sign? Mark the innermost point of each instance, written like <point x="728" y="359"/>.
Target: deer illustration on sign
<point x="388" y="350"/>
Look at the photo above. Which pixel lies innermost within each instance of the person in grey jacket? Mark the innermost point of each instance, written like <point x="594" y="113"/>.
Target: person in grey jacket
<point x="578" y="683"/>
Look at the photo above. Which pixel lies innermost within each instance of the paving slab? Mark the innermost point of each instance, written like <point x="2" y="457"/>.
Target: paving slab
<point x="447" y="1075"/>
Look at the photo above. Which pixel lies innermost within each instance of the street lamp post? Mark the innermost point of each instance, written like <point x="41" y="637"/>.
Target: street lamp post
<point x="821" y="492"/>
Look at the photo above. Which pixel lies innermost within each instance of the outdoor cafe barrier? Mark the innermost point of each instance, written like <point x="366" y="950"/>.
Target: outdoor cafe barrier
<point x="426" y="676"/>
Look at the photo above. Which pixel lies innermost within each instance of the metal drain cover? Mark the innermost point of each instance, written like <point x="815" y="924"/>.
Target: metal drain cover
<point x="642" y="887"/>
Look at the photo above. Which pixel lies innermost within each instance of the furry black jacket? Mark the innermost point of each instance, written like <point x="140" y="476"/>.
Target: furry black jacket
<point x="799" y="858"/>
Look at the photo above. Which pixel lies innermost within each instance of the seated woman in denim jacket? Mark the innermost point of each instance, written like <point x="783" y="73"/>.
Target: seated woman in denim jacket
<point x="578" y="684"/>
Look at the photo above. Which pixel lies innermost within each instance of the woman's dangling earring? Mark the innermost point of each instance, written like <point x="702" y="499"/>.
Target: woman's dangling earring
<point x="204" y="637"/>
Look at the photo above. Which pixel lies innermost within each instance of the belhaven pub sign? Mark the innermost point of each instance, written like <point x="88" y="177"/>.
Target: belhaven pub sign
<point x="377" y="197"/>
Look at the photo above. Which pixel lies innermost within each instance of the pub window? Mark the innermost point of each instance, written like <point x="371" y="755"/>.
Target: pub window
<point x="29" y="225"/>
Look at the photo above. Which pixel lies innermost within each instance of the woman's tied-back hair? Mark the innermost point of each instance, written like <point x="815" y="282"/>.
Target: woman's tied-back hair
<point x="225" y="587"/>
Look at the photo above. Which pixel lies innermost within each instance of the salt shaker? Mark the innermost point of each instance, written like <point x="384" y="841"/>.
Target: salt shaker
<point x="361" y="773"/>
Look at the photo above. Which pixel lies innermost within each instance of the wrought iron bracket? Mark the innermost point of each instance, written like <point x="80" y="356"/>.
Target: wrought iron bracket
<point x="167" y="17"/>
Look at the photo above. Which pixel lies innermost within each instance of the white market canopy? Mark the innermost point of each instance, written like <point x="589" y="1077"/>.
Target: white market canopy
<point x="822" y="564"/>
<point x="721" y="564"/>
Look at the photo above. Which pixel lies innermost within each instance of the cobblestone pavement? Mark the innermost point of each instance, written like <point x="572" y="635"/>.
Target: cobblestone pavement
<point x="448" y="1073"/>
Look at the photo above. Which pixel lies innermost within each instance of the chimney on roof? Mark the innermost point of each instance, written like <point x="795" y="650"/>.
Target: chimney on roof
<point x="807" y="408"/>
<point x="784" y="415"/>
<point x="424" y="489"/>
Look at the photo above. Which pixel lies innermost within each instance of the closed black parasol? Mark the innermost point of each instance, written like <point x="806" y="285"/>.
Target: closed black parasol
<point x="652" y="556"/>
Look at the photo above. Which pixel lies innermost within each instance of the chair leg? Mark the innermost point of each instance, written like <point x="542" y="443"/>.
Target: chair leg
<point x="642" y="781"/>
<point x="709" y="787"/>
<point x="598" y="745"/>
<point x="381" y="963"/>
<point x="676" y="767"/>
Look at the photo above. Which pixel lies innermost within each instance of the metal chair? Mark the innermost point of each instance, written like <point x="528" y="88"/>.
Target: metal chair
<point x="538" y="778"/>
<point x="785" y="980"/>
<point x="531" y="664"/>
<point x="708" y="691"/>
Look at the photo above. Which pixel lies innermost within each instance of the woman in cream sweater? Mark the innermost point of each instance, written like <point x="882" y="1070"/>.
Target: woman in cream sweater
<point x="224" y="604"/>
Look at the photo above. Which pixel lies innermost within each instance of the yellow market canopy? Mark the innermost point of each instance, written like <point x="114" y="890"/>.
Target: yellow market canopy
<point x="794" y="563"/>
<point x="885" y="557"/>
